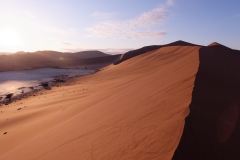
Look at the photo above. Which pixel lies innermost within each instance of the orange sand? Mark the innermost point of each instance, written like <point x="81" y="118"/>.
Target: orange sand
<point x="133" y="110"/>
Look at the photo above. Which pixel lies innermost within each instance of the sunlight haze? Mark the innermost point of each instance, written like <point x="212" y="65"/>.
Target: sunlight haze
<point x="115" y="26"/>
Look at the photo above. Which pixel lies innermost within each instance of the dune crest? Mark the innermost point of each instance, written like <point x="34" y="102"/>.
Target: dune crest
<point x="181" y="43"/>
<point x="214" y="44"/>
<point x="143" y="50"/>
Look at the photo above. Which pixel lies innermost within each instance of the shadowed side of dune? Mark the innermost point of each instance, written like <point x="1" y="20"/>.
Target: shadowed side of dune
<point x="146" y="49"/>
<point x="212" y="128"/>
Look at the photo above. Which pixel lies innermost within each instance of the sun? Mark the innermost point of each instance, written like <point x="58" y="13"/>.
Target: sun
<point x="9" y="38"/>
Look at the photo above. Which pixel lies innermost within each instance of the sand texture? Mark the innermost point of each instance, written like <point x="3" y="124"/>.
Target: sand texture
<point x="133" y="110"/>
<point x="143" y="50"/>
<point x="174" y="101"/>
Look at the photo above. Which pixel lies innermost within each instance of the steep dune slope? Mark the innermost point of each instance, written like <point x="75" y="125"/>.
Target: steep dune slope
<point x="213" y="127"/>
<point x="134" y="110"/>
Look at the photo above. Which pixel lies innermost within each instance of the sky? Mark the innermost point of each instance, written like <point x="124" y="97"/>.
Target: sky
<point x="115" y="26"/>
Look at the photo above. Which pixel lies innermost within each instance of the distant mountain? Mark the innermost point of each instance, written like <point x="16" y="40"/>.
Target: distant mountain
<point x="66" y="56"/>
<point x="54" y="55"/>
<point x="89" y="54"/>
<point x="90" y="61"/>
<point x="23" y="61"/>
<point x="5" y="53"/>
<point x="42" y="59"/>
<point x="218" y="46"/>
<point x="20" y="52"/>
<point x="214" y="44"/>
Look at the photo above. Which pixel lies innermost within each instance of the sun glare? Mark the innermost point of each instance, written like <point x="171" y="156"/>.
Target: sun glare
<point x="9" y="38"/>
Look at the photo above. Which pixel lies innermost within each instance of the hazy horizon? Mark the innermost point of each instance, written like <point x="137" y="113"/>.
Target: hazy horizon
<point x="107" y="51"/>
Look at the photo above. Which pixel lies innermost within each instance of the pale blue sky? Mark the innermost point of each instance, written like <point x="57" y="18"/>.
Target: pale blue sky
<point x="115" y="26"/>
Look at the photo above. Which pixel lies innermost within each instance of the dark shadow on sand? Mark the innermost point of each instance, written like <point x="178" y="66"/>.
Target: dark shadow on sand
<point x="47" y="87"/>
<point x="212" y="129"/>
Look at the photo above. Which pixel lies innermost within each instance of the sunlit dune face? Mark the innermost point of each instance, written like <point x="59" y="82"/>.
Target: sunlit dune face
<point x="9" y="38"/>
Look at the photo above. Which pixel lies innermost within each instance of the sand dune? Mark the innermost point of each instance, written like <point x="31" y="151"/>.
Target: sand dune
<point x="133" y="110"/>
<point x="213" y="123"/>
